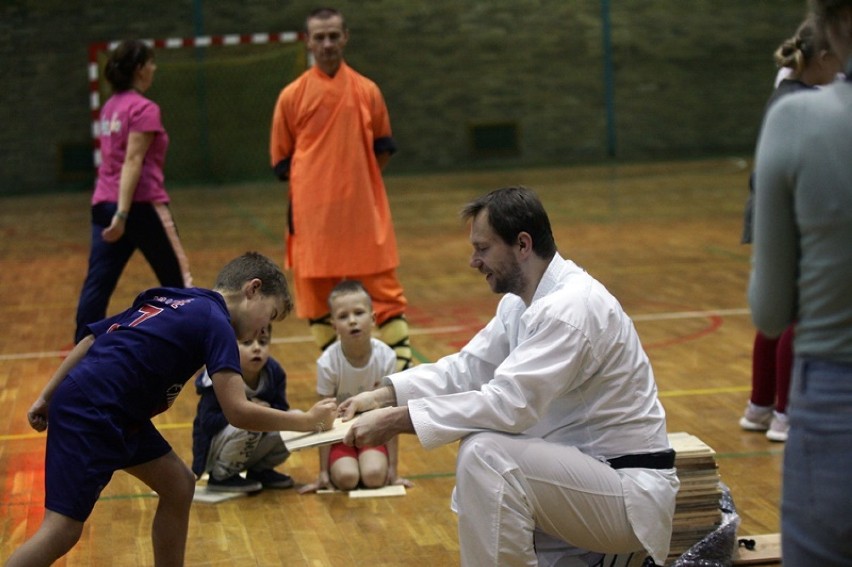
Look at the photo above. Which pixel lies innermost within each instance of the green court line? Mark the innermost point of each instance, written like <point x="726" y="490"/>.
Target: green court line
<point x="419" y="356"/>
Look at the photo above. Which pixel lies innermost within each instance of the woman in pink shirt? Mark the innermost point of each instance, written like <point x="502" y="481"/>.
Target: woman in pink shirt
<point x="130" y="204"/>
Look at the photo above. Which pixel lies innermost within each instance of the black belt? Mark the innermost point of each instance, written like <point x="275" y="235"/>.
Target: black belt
<point x="659" y="460"/>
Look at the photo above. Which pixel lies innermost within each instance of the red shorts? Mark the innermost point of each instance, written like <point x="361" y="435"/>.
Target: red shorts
<point x="384" y="289"/>
<point x="339" y="450"/>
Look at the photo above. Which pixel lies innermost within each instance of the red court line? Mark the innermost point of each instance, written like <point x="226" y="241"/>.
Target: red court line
<point x="715" y="322"/>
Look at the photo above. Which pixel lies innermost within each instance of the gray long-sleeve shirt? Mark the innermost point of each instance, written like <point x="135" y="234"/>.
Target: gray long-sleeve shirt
<point x="802" y="251"/>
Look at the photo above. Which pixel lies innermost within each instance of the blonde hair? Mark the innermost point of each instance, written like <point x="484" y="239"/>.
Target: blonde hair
<point x="796" y="52"/>
<point x="346" y="287"/>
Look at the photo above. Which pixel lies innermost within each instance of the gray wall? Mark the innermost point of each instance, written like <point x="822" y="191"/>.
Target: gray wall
<point x="690" y="76"/>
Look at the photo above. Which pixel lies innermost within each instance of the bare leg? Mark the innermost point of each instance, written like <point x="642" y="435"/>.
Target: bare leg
<point x="345" y="474"/>
<point x="374" y="468"/>
<point x="172" y="480"/>
<point x="54" y="538"/>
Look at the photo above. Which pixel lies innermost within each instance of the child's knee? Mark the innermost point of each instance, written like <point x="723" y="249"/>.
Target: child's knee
<point x="345" y="480"/>
<point x="374" y="477"/>
<point x="182" y="488"/>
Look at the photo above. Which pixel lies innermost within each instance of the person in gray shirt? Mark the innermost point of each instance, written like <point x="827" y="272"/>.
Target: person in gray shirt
<point x="802" y="272"/>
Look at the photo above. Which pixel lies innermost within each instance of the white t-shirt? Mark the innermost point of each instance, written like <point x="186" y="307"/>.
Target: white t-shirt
<point x="337" y="377"/>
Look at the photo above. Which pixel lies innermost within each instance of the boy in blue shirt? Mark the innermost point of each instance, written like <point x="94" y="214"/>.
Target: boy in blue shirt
<point x="224" y="451"/>
<point x="130" y="367"/>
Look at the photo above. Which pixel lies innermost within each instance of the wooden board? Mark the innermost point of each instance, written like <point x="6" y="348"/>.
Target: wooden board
<point x="393" y="490"/>
<point x="296" y="440"/>
<point x="767" y="550"/>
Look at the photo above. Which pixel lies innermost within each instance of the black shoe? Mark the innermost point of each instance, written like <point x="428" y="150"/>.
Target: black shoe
<point x="234" y="483"/>
<point x="270" y="478"/>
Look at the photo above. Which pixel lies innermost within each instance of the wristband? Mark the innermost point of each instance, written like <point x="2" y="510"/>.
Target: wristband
<point x="121" y="215"/>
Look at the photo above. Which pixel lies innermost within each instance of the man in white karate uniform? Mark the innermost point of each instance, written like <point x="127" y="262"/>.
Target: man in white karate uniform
<point x="564" y="455"/>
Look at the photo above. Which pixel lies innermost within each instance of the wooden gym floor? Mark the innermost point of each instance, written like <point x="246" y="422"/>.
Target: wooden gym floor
<point x="663" y="237"/>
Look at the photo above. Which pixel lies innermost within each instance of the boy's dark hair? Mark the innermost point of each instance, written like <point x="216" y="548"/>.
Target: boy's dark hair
<point x="513" y="210"/>
<point x="255" y="265"/>
<point x="346" y="287"/>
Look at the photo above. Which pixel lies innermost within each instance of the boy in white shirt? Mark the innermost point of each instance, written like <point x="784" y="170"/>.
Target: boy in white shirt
<point x="355" y="363"/>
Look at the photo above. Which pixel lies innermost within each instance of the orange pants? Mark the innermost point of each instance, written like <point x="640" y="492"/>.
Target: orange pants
<point x="384" y="289"/>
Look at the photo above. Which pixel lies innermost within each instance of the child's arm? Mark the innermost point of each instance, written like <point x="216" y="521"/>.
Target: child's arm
<point x="37" y="415"/>
<point x="244" y="414"/>
<point x="393" y="456"/>
<point x="324" y="479"/>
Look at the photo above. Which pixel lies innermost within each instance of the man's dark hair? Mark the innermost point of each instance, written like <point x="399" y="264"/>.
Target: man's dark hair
<point x="324" y="14"/>
<point x="513" y="210"/>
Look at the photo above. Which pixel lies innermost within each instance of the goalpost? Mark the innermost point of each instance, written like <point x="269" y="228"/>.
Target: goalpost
<point x="216" y="95"/>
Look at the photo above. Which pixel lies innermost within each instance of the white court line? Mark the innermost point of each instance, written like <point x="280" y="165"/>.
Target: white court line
<point x="434" y="330"/>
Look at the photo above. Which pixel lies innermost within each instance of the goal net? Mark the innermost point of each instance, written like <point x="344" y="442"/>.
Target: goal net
<point x="216" y="95"/>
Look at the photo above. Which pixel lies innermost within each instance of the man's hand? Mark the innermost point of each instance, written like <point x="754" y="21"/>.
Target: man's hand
<point x="378" y="426"/>
<point x="366" y="401"/>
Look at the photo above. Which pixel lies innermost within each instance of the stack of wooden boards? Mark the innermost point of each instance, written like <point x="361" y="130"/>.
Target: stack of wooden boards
<point x="697" y="512"/>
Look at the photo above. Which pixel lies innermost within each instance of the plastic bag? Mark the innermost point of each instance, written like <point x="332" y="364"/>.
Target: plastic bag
<point x="717" y="548"/>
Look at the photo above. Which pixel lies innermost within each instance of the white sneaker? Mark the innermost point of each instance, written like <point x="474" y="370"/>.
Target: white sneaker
<point x="778" y="427"/>
<point x="756" y="418"/>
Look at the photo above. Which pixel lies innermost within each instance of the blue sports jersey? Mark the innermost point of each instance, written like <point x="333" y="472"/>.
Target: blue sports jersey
<point x="142" y="357"/>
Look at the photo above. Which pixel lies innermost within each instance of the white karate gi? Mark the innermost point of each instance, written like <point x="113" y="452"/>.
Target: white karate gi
<point x="542" y="396"/>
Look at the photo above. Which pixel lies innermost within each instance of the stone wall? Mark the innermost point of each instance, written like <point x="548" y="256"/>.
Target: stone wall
<point x="689" y="77"/>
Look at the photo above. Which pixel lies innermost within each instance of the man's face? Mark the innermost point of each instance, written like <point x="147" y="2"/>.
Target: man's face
<point x="326" y="40"/>
<point x="494" y="258"/>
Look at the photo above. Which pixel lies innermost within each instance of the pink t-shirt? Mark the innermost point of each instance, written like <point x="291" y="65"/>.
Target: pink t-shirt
<point x="123" y="113"/>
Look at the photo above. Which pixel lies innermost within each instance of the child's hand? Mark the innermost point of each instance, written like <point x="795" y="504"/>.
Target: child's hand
<point x="37" y="415"/>
<point x="393" y="479"/>
<point x="322" y="414"/>
<point x="323" y="482"/>
<point x="365" y="401"/>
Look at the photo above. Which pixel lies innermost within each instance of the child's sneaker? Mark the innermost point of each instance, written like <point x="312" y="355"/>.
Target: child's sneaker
<point x="756" y="418"/>
<point x="234" y="483"/>
<point x="270" y="478"/>
<point x="778" y="428"/>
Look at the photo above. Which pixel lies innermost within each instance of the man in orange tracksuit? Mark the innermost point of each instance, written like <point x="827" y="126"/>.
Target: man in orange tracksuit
<point x="331" y="137"/>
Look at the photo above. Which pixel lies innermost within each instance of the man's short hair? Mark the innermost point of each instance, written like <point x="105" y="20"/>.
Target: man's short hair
<point x="513" y="210"/>
<point x="324" y="13"/>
